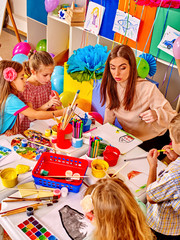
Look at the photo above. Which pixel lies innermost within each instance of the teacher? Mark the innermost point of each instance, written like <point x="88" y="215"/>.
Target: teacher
<point x="138" y="105"/>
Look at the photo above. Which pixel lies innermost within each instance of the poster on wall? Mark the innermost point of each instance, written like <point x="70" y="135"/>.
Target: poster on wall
<point x="126" y="25"/>
<point x="94" y="17"/>
<point x="169" y="37"/>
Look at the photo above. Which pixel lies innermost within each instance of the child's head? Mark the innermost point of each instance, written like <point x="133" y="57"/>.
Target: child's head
<point x="40" y="65"/>
<point x="116" y="212"/>
<point x="11" y="78"/>
<point x="174" y="129"/>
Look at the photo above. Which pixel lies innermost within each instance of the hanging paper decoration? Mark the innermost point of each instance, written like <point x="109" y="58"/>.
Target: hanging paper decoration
<point x="156" y="3"/>
<point x="151" y="61"/>
<point x="126" y="25"/>
<point x="87" y="63"/>
<point x="167" y="42"/>
<point x="94" y="17"/>
<point x="146" y="65"/>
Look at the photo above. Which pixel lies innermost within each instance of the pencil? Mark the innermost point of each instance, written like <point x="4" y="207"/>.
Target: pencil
<point x="119" y="169"/>
<point x="163" y="150"/>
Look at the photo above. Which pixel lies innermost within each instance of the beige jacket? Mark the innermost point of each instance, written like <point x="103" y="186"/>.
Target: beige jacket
<point x="147" y="97"/>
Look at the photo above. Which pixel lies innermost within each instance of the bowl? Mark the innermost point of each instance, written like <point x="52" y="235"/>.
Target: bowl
<point x="9" y="177"/>
<point x="99" y="168"/>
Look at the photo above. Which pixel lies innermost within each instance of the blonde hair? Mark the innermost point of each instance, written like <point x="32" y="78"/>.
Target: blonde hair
<point x="174" y="128"/>
<point x="94" y="9"/>
<point x="5" y="86"/>
<point x="117" y="214"/>
<point x="36" y="60"/>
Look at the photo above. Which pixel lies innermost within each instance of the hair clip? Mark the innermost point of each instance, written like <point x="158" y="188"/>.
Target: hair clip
<point x="34" y="51"/>
<point x="9" y="74"/>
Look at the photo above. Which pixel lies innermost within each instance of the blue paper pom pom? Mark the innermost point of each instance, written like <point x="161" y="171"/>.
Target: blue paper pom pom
<point x="151" y="61"/>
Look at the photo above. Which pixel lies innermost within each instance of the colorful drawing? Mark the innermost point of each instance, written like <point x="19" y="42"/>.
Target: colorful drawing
<point x="4" y="151"/>
<point x="132" y="174"/>
<point x="94" y="17"/>
<point x="126" y="25"/>
<point x="126" y="139"/>
<point x="34" y="229"/>
<point x="166" y="43"/>
<point x="32" y="151"/>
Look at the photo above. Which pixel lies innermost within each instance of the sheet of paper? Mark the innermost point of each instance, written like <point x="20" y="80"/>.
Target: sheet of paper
<point x="25" y="193"/>
<point x="118" y="138"/>
<point x="45" y="193"/>
<point x="13" y="156"/>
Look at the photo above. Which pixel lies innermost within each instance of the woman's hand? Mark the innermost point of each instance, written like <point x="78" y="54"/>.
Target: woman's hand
<point x="170" y="153"/>
<point x="149" y="116"/>
<point x="54" y="101"/>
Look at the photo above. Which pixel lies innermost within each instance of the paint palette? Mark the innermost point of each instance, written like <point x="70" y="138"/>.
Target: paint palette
<point x="38" y="137"/>
<point x="32" y="151"/>
<point x="33" y="229"/>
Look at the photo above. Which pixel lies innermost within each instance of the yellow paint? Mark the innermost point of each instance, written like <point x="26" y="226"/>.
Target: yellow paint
<point x="99" y="168"/>
<point x="9" y="177"/>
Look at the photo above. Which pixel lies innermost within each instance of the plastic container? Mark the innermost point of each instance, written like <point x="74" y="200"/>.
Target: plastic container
<point x="77" y="142"/>
<point x="58" y="164"/>
<point x="86" y="124"/>
<point x="89" y="159"/>
<point x="62" y="142"/>
<point x="111" y="155"/>
<point x="9" y="177"/>
<point x="99" y="168"/>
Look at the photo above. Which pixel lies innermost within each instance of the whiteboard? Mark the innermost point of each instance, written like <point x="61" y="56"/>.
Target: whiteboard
<point x="2" y="13"/>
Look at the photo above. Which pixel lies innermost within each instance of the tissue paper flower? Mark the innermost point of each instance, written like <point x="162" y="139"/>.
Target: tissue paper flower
<point x="87" y="63"/>
<point x="9" y="74"/>
<point x="156" y="3"/>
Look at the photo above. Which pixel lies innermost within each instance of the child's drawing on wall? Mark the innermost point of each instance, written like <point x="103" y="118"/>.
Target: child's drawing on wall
<point x="126" y="25"/>
<point x="94" y="17"/>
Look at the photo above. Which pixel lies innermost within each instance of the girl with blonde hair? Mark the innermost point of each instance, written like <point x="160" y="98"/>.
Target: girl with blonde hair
<point x="12" y="82"/>
<point x="37" y="91"/>
<point x="117" y="216"/>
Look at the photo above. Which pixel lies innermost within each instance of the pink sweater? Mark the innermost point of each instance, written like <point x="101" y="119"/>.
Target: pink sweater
<point x="147" y="97"/>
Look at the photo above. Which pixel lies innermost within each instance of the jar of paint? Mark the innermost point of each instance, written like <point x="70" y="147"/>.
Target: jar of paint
<point x="24" y="142"/>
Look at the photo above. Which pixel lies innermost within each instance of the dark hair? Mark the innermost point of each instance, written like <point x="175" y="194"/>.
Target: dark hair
<point x="36" y="59"/>
<point x="109" y="85"/>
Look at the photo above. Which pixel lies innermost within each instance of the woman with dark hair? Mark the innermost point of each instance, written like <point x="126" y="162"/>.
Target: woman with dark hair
<point x="138" y="105"/>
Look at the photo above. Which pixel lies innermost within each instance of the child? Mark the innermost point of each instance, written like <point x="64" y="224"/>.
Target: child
<point x="163" y="192"/>
<point x="37" y="92"/>
<point x="116" y="213"/>
<point x="138" y="105"/>
<point x="11" y="83"/>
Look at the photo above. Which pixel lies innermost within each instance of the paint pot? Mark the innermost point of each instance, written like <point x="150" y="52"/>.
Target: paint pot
<point x="9" y="177"/>
<point x="54" y="130"/>
<point x="77" y="142"/>
<point x="111" y="155"/>
<point x="47" y="132"/>
<point x="76" y="176"/>
<point x="57" y="192"/>
<point x="64" y="191"/>
<point x="29" y="211"/>
<point x="99" y="168"/>
<point x="68" y="173"/>
<point x="54" y="139"/>
<point x="44" y="172"/>
<point x="24" y="142"/>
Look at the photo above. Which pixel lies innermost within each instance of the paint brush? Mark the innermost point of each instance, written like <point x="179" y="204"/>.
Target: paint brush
<point x="16" y="199"/>
<point x="135" y="158"/>
<point x="33" y="189"/>
<point x="120" y="169"/>
<point x="24" y="207"/>
<point x="57" y="120"/>
<point x="75" y="97"/>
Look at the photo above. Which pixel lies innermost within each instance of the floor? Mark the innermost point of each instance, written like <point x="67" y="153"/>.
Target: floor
<point x="8" y="41"/>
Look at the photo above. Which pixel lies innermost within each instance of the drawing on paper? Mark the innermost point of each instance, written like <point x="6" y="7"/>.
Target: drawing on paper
<point x="4" y="151"/>
<point x="126" y="24"/>
<point x="94" y="17"/>
<point x="169" y="37"/>
<point x="126" y="139"/>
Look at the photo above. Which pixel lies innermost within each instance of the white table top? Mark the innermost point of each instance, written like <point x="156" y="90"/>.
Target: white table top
<point x="50" y="216"/>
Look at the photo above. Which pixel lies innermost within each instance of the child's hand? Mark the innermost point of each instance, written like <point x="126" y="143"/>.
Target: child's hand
<point x="149" y="116"/>
<point x="152" y="157"/>
<point x="54" y="101"/>
<point x="9" y="132"/>
<point x="170" y="153"/>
